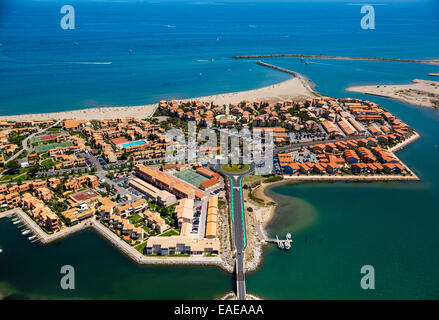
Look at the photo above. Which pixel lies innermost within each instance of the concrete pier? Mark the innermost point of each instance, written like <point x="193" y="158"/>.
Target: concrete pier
<point x="307" y="83"/>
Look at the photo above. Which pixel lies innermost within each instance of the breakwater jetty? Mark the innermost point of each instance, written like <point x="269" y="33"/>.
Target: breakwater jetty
<point x="307" y="83"/>
<point x="311" y="56"/>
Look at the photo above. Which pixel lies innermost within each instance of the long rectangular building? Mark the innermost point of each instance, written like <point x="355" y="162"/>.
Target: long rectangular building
<point x="162" y="197"/>
<point x="181" y="245"/>
<point x="169" y="183"/>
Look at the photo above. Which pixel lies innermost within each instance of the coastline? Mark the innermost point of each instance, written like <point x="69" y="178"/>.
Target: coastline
<point x="121" y="245"/>
<point x="261" y="193"/>
<point x="282" y="90"/>
<point x="420" y="92"/>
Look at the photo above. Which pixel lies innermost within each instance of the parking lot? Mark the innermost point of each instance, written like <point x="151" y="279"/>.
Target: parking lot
<point x="296" y="137"/>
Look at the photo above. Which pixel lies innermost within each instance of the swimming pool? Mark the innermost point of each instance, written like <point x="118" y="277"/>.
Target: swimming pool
<point x="133" y="143"/>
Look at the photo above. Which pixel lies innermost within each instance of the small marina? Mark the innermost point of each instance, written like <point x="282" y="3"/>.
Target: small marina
<point x="26" y="230"/>
<point x="283" y="244"/>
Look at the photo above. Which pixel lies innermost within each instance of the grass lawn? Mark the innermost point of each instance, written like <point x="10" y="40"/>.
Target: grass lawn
<point x="169" y="233"/>
<point x="135" y="219"/>
<point x="48" y="163"/>
<point x="140" y="247"/>
<point x="236" y="168"/>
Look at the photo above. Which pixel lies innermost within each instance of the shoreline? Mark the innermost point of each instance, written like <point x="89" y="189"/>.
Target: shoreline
<point x="420" y="92"/>
<point x="290" y="88"/>
<point x="121" y="245"/>
<point x="261" y="193"/>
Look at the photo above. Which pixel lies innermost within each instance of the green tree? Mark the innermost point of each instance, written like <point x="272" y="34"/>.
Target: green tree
<point x="13" y="166"/>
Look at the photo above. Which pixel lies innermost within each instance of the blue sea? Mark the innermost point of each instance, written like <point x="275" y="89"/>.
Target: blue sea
<point x="138" y="52"/>
<point x="132" y="53"/>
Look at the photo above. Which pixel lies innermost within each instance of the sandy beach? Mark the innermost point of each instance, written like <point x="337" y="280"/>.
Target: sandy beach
<point x="292" y="88"/>
<point x="140" y="112"/>
<point x="420" y="92"/>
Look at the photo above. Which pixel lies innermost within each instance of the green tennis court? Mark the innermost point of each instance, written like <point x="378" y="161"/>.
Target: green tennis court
<point x="191" y="177"/>
<point x="47" y="147"/>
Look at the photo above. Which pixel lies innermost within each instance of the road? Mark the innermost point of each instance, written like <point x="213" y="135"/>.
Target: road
<point x="24" y="143"/>
<point x="238" y="214"/>
<point x="238" y="224"/>
<point x="310" y="143"/>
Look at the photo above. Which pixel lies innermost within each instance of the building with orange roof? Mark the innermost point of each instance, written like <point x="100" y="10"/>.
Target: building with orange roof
<point x="164" y="181"/>
<point x="73" y="124"/>
<point x="351" y="156"/>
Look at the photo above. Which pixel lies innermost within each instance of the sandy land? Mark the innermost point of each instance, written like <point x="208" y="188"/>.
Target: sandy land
<point x="434" y="74"/>
<point x="139" y="112"/>
<point x="420" y="92"/>
<point x="264" y="214"/>
<point x="292" y="88"/>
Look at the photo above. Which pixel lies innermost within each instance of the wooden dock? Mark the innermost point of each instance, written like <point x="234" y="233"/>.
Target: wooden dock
<point x="281" y="243"/>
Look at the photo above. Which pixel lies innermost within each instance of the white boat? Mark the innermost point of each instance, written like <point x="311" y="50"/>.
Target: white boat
<point x="1" y="250"/>
<point x="32" y="237"/>
<point x="288" y="236"/>
<point x="16" y="222"/>
<point x="287" y="245"/>
<point x="281" y="245"/>
<point x="25" y="232"/>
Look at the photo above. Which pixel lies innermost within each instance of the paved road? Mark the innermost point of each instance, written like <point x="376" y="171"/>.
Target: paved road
<point x="238" y="225"/>
<point x="310" y="143"/>
<point x="24" y="143"/>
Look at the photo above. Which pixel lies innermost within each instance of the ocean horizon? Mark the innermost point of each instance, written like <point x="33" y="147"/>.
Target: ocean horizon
<point x="124" y="53"/>
<point x="137" y="53"/>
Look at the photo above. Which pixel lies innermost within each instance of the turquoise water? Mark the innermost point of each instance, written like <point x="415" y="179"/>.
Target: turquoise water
<point x="135" y="53"/>
<point x="134" y="143"/>
<point x="339" y="227"/>
<point x="101" y="271"/>
<point x="336" y="227"/>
